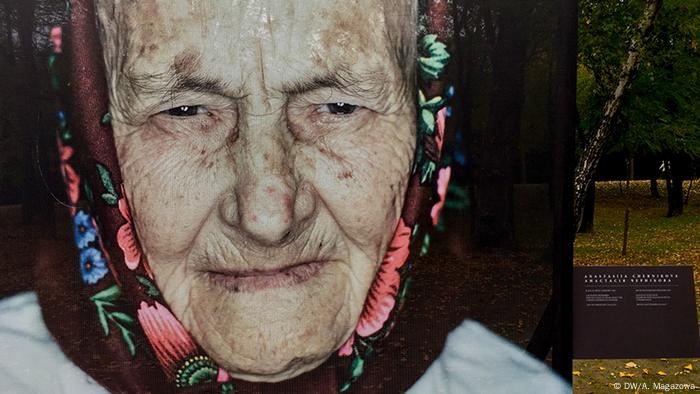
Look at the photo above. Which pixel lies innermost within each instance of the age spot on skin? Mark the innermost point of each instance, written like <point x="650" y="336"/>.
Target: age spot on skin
<point x="186" y="62"/>
<point x="345" y="175"/>
<point x="145" y="50"/>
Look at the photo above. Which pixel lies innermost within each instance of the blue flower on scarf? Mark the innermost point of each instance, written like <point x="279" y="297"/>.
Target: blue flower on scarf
<point x="84" y="229"/>
<point x="93" y="266"/>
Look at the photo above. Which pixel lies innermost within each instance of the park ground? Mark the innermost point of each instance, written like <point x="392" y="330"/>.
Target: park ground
<point x="653" y="240"/>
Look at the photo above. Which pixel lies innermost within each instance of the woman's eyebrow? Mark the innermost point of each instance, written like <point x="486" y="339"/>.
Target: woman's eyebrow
<point x="168" y="84"/>
<point x="189" y="83"/>
<point x="365" y="84"/>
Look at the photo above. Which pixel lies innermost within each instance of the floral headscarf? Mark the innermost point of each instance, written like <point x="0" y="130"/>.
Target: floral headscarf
<point x="117" y="292"/>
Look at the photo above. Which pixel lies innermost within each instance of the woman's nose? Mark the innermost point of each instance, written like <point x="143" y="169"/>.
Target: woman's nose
<point x="268" y="203"/>
<point x="267" y="209"/>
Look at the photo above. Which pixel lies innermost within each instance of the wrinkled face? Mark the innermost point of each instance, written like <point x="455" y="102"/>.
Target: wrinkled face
<point x="265" y="147"/>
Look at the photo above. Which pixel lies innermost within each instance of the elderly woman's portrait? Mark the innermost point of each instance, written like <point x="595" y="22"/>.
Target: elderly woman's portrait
<point x="283" y="197"/>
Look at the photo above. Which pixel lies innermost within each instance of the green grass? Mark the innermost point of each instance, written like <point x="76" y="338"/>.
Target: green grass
<point x="653" y="239"/>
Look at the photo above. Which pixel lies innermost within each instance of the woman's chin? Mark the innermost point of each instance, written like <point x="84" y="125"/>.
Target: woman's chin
<point x="268" y="360"/>
<point x="273" y="373"/>
<point x="274" y="333"/>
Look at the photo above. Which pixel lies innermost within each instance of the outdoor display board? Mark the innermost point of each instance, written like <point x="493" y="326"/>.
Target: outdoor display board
<point x="634" y="312"/>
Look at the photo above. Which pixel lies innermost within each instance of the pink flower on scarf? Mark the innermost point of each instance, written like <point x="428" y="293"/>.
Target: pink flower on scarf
<point x="56" y="37"/>
<point x="443" y="181"/>
<point x="439" y="138"/>
<point x="126" y="237"/>
<point x="346" y="349"/>
<point x="381" y="298"/>
<point x="222" y="376"/>
<point x="170" y="341"/>
<point x="70" y="177"/>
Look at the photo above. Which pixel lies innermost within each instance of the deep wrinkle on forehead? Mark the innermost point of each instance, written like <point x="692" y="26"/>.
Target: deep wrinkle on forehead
<point x="140" y="89"/>
<point x="367" y="84"/>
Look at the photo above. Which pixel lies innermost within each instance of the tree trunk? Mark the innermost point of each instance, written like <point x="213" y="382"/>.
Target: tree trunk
<point x="675" y="172"/>
<point x="654" y="188"/>
<point x="498" y="159"/>
<point x="588" y="162"/>
<point x="27" y="108"/>
<point x="674" y="189"/>
<point x="463" y="65"/>
<point x="675" y="197"/>
<point x="630" y="169"/>
<point x="588" y="211"/>
<point x="7" y="7"/>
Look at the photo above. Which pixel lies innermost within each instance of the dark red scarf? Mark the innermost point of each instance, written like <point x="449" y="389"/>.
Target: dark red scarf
<point x="100" y="300"/>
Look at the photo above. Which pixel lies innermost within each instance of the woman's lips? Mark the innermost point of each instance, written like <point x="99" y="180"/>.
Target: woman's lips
<point x="251" y="281"/>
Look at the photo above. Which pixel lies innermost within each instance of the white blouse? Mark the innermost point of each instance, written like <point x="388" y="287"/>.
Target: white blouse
<point x="474" y="360"/>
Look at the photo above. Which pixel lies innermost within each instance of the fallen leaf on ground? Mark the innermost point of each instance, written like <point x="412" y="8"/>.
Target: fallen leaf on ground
<point x="646" y="371"/>
<point x="601" y="368"/>
<point x="688" y="367"/>
<point x="625" y="374"/>
<point x="577" y="373"/>
<point x="662" y="373"/>
<point x="631" y="364"/>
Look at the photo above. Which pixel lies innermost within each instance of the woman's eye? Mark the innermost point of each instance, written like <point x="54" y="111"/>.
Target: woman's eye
<point x="186" y="110"/>
<point x="339" y="108"/>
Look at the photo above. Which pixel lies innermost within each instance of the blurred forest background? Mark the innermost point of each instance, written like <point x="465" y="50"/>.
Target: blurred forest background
<point x="28" y="116"/>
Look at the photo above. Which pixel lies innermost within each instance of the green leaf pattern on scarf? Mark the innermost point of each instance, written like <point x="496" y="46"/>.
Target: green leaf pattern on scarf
<point x="151" y="289"/>
<point x="435" y="57"/>
<point x="108" y="298"/>
<point x="427" y="110"/>
<point x="110" y="197"/>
